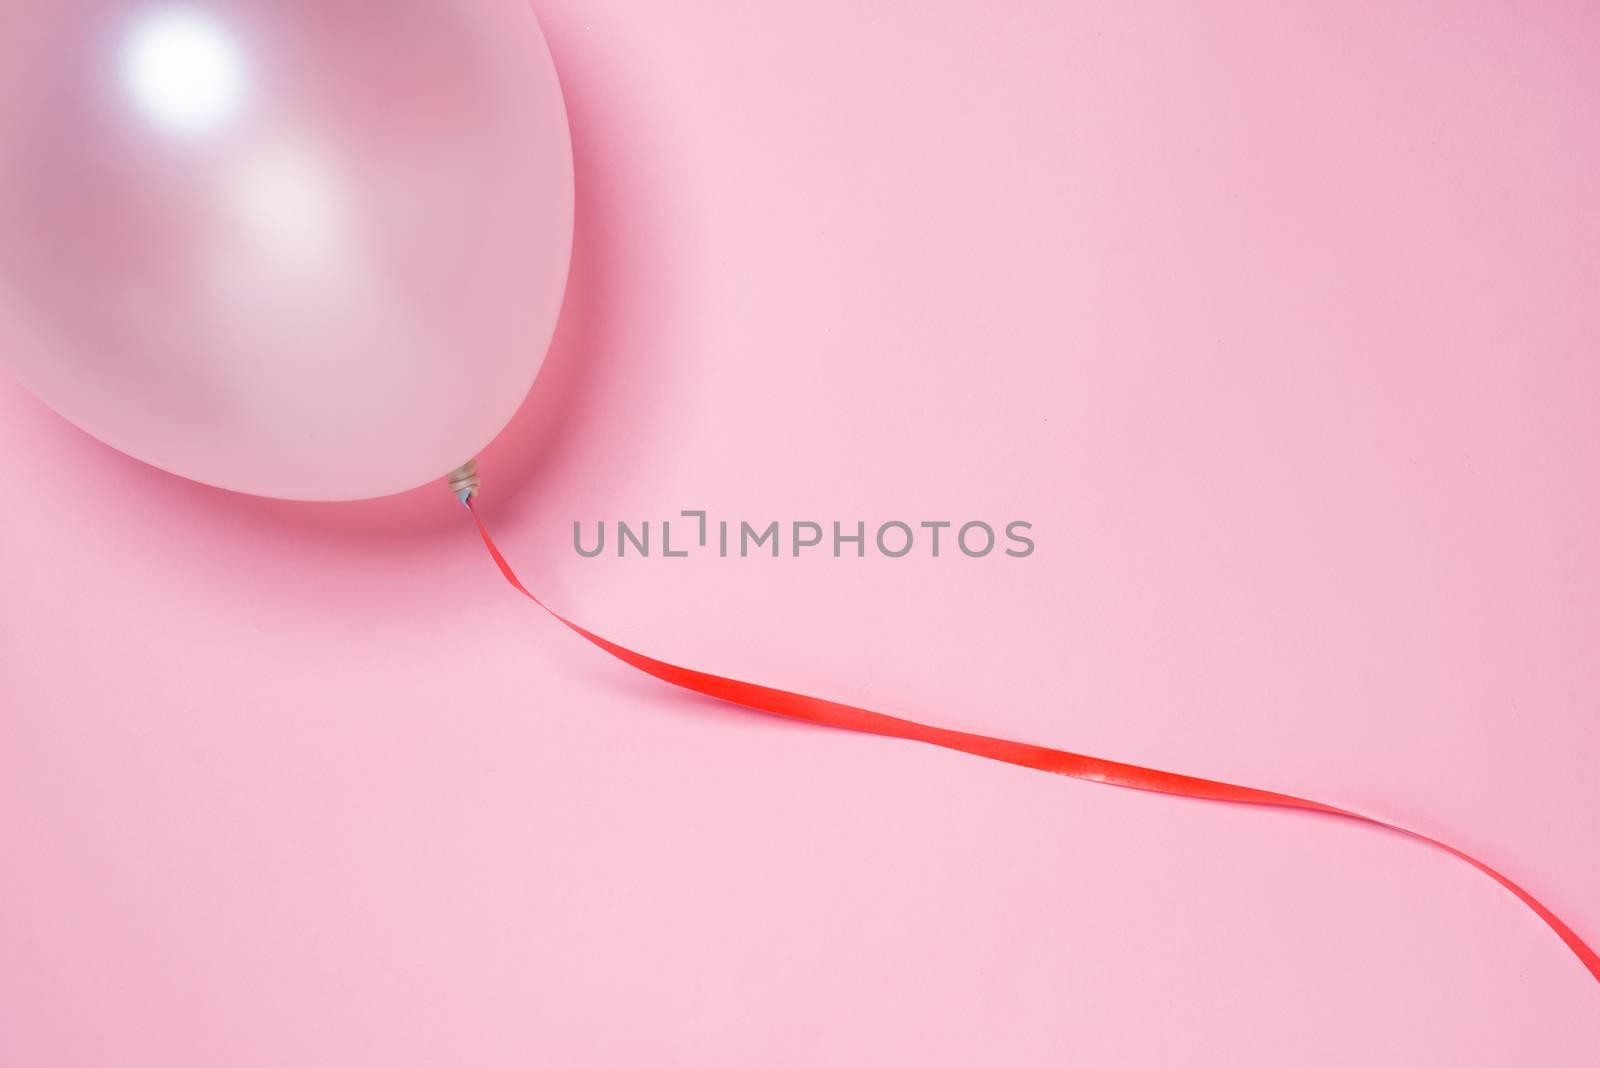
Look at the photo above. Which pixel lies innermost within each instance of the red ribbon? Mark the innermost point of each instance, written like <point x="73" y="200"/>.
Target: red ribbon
<point x="1040" y="758"/>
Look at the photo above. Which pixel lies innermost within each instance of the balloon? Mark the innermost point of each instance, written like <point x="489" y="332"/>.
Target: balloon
<point x="311" y="249"/>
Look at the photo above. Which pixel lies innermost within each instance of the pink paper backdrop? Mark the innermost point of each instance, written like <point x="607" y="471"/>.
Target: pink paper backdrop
<point x="1278" y="322"/>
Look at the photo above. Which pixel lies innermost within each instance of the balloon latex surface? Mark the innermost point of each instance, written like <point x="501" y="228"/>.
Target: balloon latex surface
<point x="311" y="249"/>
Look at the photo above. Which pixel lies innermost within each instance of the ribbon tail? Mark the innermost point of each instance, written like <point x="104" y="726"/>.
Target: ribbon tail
<point x="1040" y="758"/>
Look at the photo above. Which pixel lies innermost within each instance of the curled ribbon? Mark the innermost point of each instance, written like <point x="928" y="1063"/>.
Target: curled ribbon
<point x="1040" y="758"/>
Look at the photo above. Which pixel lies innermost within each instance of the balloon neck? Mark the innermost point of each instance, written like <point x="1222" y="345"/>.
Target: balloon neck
<point x="464" y="481"/>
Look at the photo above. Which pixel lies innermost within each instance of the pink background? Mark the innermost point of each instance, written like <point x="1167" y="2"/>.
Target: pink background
<point x="1277" y="321"/>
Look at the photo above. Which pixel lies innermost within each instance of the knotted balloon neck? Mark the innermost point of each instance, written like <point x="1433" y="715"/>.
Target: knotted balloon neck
<point x="464" y="481"/>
